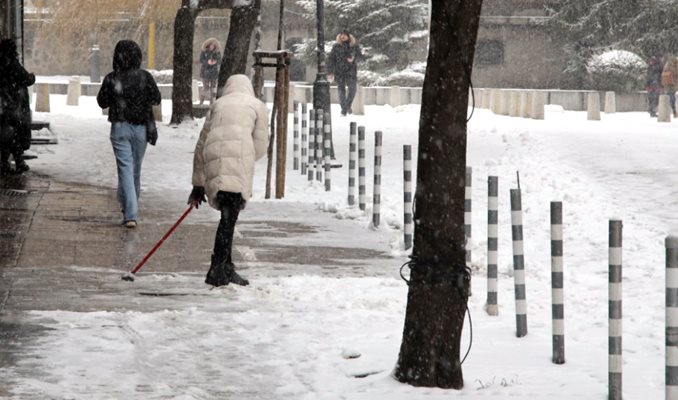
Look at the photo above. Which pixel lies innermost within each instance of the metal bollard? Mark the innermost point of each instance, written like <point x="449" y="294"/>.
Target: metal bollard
<point x="94" y="64"/>
<point x="319" y="144"/>
<point x="361" y="168"/>
<point x="295" y="145"/>
<point x="615" y="312"/>
<point x="518" y="263"/>
<point x="468" y="214"/>
<point x="671" y="340"/>
<point x="327" y="152"/>
<point x="311" y="146"/>
<point x="304" y="139"/>
<point x="408" y="224"/>
<point x="492" y="307"/>
<point x="376" y="196"/>
<point x="557" y="295"/>
<point x="352" y="156"/>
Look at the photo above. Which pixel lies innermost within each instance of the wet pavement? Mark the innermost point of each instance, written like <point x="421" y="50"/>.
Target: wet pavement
<point x="62" y="248"/>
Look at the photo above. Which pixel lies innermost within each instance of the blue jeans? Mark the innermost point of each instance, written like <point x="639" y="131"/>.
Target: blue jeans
<point x="129" y="146"/>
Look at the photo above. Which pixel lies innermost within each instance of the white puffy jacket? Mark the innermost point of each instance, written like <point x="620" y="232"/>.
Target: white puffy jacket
<point x="232" y="139"/>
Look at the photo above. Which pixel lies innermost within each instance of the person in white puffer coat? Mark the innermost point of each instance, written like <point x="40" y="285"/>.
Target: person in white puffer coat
<point x="233" y="138"/>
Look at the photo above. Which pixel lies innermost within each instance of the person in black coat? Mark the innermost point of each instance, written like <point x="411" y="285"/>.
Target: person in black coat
<point x="210" y="59"/>
<point x="653" y="83"/>
<point x="342" y="68"/>
<point x="15" y="110"/>
<point x="129" y="93"/>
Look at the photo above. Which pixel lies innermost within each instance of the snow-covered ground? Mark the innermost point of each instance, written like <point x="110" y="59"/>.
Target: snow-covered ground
<point x="292" y="337"/>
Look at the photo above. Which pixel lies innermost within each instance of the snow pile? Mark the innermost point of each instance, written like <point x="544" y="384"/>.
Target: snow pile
<point x="616" y="70"/>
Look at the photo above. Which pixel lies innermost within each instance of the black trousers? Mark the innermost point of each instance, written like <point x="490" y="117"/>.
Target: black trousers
<point x="344" y="83"/>
<point x="229" y="204"/>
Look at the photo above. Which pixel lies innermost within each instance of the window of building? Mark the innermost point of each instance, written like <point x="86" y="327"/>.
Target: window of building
<point x="489" y="52"/>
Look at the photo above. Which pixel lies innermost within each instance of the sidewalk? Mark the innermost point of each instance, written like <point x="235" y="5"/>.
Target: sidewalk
<point x="63" y="249"/>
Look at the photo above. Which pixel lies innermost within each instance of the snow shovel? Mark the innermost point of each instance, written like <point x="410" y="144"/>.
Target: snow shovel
<point x="129" y="276"/>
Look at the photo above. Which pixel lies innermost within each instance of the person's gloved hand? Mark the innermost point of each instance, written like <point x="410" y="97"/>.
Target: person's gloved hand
<point x="197" y="196"/>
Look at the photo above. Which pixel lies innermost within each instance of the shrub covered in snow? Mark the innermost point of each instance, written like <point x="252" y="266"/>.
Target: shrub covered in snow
<point x="616" y="70"/>
<point x="162" y="76"/>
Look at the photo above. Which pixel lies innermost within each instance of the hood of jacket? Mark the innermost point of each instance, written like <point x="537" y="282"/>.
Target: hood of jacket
<point x="351" y="40"/>
<point x="238" y="84"/>
<point x="214" y="41"/>
<point x="127" y="56"/>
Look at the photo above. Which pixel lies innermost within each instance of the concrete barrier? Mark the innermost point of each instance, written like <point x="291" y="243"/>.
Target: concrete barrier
<point x="495" y="101"/>
<point x="664" y="109"/>
<point x="514" y="104"/>
<point x="610" y="103"/>
<point x="359" y="101"/>
<point x="42" y="97"/>
<point x="74" y="91"/>
<point x="486" y="101"/>
<point x="593" y="111"/>
<point x="395" y="97"/>
<point x="504" y="102"/>
<point x="195" y="91"/>
<point x="538" y="103"/>
<point x="524" y="110"/>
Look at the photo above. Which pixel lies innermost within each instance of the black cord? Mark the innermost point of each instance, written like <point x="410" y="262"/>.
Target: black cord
<point x="470" y="341"/>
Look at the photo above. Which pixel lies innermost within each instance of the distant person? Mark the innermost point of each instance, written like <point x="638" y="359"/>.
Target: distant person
<point x="15" y="110"/>
<point x="653" y="84"/>
<point x="342" y="68"/>
<point x="210" y="59"/>
<point x="232" y="139"/>
<point x="669" y="80"/>
<point x="129" y="93"/>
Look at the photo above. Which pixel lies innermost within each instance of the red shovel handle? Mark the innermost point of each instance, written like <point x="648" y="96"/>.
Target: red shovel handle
<point x="169" y="232"/>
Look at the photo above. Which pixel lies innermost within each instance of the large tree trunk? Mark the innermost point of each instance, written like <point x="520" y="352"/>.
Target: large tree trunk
<point x="182" y="94"/>
<point x="439" y="280"/>
<point x="242" y="23"/>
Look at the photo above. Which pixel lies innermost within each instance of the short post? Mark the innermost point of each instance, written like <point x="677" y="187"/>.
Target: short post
<point x="295" y="143"/>
<point x="74" y="91"/>
<point x="361" y="168"/>
<point x="311" y="146"/>
<point x="468" y="213"/>
<point x="327" y="152"/>
<point x="518" y="263"/>
<point x="94" y="64"/>
<point x="664" y="109"/>
<point x="319" y="144"/>
<point x="376" y="195"/>
<point x="615" y="311"/>
<point x="157" y="112"/>
<point x="42" y="97"/>
<point x="557" y="295"/>
<point x="492" y="307"/>
<point x="610" y="103"/>
<point x="671" y="340"/>
<point x="593" y="107"/>
<point x="352" y="158"/>
<point x="304" y="138"/>
<point x="408" y="224"/>
<point x="195" y="91"/>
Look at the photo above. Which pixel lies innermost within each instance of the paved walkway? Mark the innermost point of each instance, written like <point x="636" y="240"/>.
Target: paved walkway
<point x="62" y="248"/>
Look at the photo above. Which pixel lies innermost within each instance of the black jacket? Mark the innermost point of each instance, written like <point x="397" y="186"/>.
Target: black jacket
<point x="128" y="92"/>
<point x="15" y="111"/>
<point x="337" y="62"/>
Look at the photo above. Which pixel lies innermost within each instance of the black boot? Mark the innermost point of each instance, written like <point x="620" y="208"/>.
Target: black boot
<point x="20" y="165"/>
<point x="216" y="276"/>
<point x="233" y="276"/>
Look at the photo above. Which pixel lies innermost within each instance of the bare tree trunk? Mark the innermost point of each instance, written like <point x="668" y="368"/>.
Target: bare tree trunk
<point x="439" y="280"/>
<point x="242" y="23"/>
<point x="182" y="95"/>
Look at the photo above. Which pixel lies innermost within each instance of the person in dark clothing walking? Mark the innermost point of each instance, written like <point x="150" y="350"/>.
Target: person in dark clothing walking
<point x="233" y="138"/>
<point x="129" y="93"/>
<point x="15" y="110"/>
<point x="342" y="68"/>
<point x="653" y="83"/>
<point x="210" y="58"/>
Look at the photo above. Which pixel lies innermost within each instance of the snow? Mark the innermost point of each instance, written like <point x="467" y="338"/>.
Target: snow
<point x="299" y="337"/>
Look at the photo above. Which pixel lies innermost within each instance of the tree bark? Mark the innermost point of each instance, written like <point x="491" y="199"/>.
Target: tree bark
<point x="182" y="94"/>
<point x="243" y="19"/>
<point x="439" y="280"/>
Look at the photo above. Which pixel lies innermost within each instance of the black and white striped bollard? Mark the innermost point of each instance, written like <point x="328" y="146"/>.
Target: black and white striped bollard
<point x="295" y="143"/>
<point x="492" y="307"/>
<point x="319" y="144"/>
<point x="304" y="139"/>
<point x="361" y="168"/>
<point x="327" y="152"/>
<point x="671" y="340"/>
<point x="615" y="312"/>
<point x="557" y="294"/>
<point x="352" y="159"/>
<point x="408" y="224"/>
<point x="468" y="214"/>
<point x="311" y="145"/>
<point x="518" y="263"/>
<point x="376" y="197"/>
